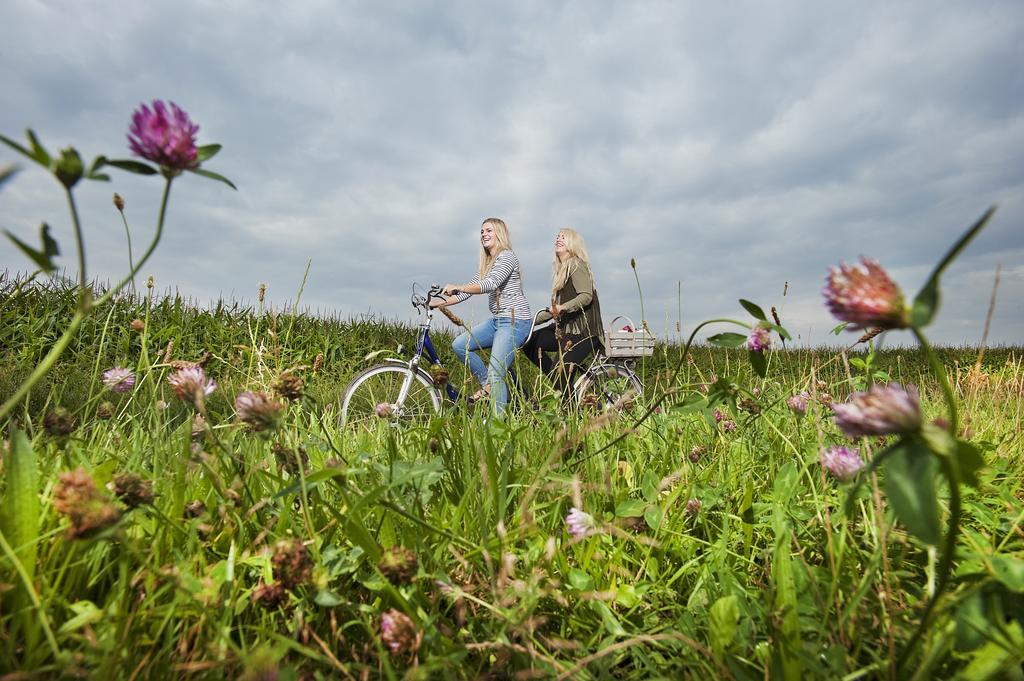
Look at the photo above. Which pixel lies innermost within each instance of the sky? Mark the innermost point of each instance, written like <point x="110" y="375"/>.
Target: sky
<point x="734" y="150"/>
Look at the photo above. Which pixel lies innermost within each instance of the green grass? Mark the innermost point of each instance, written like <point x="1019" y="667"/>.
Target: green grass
<point x="770" y="577"/>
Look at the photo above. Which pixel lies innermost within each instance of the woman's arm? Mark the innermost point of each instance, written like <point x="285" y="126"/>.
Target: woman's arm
<point x="453" y="294"/>
<point x="583" y="282"/>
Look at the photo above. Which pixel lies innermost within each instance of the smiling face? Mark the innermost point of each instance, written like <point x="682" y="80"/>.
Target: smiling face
<point x="561" y="250"/>
<point x="487" y="236"/>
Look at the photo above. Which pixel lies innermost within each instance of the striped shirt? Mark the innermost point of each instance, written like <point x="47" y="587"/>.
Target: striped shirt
<point x="504" y="288"/>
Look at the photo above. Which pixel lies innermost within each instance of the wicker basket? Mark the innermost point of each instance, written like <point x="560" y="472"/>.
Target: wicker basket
<point x="621" y="343"/>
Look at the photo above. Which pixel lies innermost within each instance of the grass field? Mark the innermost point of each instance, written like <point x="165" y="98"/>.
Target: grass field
<point x="187" y="547"/>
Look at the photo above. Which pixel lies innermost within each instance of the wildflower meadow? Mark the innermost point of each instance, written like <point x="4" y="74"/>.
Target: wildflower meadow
<point x="181" y="500"/>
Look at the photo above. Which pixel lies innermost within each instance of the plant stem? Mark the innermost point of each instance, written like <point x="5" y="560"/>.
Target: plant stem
<point x="951" y="470"/>
<point x="62" y="343"/>
<point x="80" y="243"/>
<point x="128" y="234"/>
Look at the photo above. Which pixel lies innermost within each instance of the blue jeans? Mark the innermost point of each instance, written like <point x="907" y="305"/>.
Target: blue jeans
<point x="502" y="336"/>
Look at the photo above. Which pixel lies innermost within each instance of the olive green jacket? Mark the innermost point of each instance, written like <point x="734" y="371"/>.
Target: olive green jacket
<point x="581" y="309"/>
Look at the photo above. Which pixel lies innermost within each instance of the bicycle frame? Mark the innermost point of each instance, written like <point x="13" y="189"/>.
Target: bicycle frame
<point x="424" y="345"/>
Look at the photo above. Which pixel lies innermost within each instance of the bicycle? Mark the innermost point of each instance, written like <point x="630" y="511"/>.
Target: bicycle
<point x="403" y="391"/>
<point x="610" y="381"/>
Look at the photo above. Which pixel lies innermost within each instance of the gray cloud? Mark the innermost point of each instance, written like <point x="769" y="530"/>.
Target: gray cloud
<point x="731" y="149"/>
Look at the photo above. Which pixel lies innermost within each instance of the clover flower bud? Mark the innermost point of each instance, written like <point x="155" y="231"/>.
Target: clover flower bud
<point x="841" y="462"/>
<point x="132" y="490"/>
<point x="882" y="410"/>
<point x="384" y="410"/>
<point x="398" y="633"/>
<point x="580" y="523"/>
<point x="258" y="410"/>
<point x="288" y="386"/>
<point x="69" y="168"/>
<point x="760" y="339"/>
<point x="697" y="452"/>
<point x="59" y="422"/>
<point x="288" y="459"/>
<point x="270" y="596"/>
<point x="864" y="295"/>
<point x="119" y="379"/>
<point x="692" y="508"/>
<point x="798" y="403"/>
<point x="291" y="563"/>
<point x="398" y="564"/>
<point x="118" y="202"/>
<point x="137" y="325"/>
<point x="87" y="507"/>
<point x="191" y="385"/>
<point x="105" y="410"/>
<point x="194" y="509"/>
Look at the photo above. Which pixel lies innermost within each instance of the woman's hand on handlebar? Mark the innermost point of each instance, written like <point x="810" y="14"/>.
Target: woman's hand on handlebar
<point x="450" y="290"/>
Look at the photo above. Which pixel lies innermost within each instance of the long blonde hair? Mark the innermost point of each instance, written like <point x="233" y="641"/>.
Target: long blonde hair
<point x="575" y="248"/>
<point x="502" y="242"/>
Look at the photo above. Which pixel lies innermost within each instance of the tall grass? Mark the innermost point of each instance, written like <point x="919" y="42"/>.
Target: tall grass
<point x="727" y="554"/>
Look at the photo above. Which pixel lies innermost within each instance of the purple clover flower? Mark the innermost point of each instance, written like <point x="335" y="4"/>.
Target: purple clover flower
<point x="842" y="463"/>
<point x="760" y="339"/>
<point x="258" y="410"/>
<point x="882" y="410"/>
<point x="164" y="137"/>
<point x="692" y="508"/>
<point x="580" y="523"/>
<point x="119" y="379"/>
<point x="728" y="425"/>
<point x="398" y="632"/>
<point x="719" y="416"/>
<point x="190" y="383"/>
<point x="865" y="295"/>
<point x="798" y="403"/>
<point x="384" y="410"/>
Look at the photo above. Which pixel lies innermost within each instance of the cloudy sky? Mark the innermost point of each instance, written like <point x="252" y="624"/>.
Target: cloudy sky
<point x="728" y="147"/>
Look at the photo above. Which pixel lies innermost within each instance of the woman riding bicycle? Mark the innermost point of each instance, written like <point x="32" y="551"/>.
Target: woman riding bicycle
<point x="499" y="276"/>
<point x="578" y="330"/>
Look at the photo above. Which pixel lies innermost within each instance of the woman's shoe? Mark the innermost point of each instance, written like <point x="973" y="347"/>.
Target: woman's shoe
<point x="481" y="394"/>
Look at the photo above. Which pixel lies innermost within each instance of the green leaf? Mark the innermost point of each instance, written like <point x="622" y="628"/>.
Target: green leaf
<point x="7" y="172"/>
<point x="86" y="612"/>
<point x="93" y="172"/>
<point x="758" y="362"/>
<point x="32" y="155"/>
<point x="690" y="403"/>
<point x="926" y="304"/>
<point x="136" y="167"/>
<point x="653" y="517"/>
<point x="910" y="485"/>
<point x="725" y="617"/>
<point x="214" y="176"/>
<point x="207" y="151"/>
<point x="21" y="520"/>
<point x="970" y="461"/>
<point x="327" y="599"/>
<point x="727" y="339"/>
<point x="580" y="580"/>
<point x="753" y="309"/>
<point x="779" y="330"/>
<point x="1009" y="571"/>
<point x="630" y="508"/>
<point x="839" y="328"/>
<point x="40" y="153"/>
<point x="43" y="258"/>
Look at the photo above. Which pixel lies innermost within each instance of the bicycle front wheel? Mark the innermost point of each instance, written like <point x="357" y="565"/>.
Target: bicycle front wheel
<point x="605" y="386"/>
<point x="372" y="397"/>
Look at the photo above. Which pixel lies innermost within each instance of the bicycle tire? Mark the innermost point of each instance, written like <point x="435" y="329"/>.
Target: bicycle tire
<point x="605" y="385"/>
<point x="381" y="384"/>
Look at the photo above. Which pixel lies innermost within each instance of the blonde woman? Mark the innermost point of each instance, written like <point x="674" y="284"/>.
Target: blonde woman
<point x="578" y="330"/>
<point x="498" y="276"/>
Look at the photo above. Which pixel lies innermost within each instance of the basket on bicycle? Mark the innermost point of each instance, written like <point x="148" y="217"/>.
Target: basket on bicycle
<point x="628" y="341"/>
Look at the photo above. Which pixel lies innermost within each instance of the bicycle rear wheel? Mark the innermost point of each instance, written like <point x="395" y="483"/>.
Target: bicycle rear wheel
<point x="608" y="385"/>
<point x="372" y="396"/>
